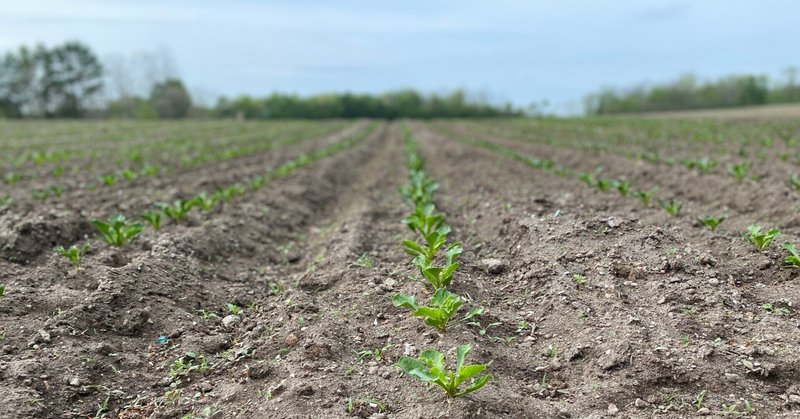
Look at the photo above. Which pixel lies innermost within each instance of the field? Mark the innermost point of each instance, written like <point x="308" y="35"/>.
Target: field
<point x="268" y="289"/>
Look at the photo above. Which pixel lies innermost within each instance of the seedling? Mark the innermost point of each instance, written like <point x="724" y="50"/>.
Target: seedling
<point x="604" y="184"/>
<point x="793" y="259"/>
<point x="129" y="174"/>
<point x="739" y="170"/>
<point x="773" y="309"/>
<point x="206" y="202"/>
<point x="579" y="279"/>
<point x="622" y="186"/>
<point x="229" y="193"/>
<point x="644" y="196"/>
<point x="712" y="222"/>
<point x="424" y="221"/>
<point x="672" y="207"/>
<point x="74" y="253"/>
<point x="376" y="354"/>
<point x="439" y="277"/>
<point x="234" y="309"/>
<point x="5" y="200"/>
<point x="794" y="181"/>
<point x="705" y="164"/>
<point x="108" y="180"/>
<point x="187" y="364"/>
<point x="482" y="330"/>
<point x="2" y="290"/>
<point x="759" y="238"/>
<point x="429" y="368"/>
<point x="443" y="306"/>
<point x="153" y="218"/>
<point x="420" y="190"/>
<point x="434" y="242"/>
<point x="179" y="209"/>
<point x="117" y="230"/>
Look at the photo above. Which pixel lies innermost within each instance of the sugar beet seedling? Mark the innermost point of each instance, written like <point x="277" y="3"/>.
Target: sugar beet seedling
<point x="430" y="368"/>
<point x="117" y="230"/>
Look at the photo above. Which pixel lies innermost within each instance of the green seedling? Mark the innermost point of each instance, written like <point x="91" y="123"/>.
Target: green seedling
<point x="712" y="222"/>
<point x="439" y="276"/>
<point x="226" y="194"/>
<point x="443" y="306"/>
<point x="433" y="240"/>
<point x="187" y="364"/>
<point x="376" y="354"/>
<point x="179" y="209"/>
<point x="587" y="178"/>
<point x="429" y="368"/>
<point x="773" y="309"/>
<point x="794" y="181"/>
<point x="257" y="183"/>
<point x="622" y="186"/>
<point x="5" y="200"/>
<point x="420" y="190"/>
<point x="129" y="175"/>
<point x="579" y="279"/>
<point x="604" y="184"/>
<point x="11" y="178"/>
<point x="205" y="202"/>
<point x="153" y="218"/>
<point x="672" y="207"/>
<point x="739" y="170"/>
<point x="759" y="238"/>
<point x="117" y="230"/>
<point x="424" y="220"/>
<point x="705" y="164"/>
<point x="793" y="259"/>
<point x="2" y="290"/>
<point x="234" y="309"/>
<point x="74" y="253"/>
<point x="148" y="170"/>
<point x="108" y="180"/>
<point x="57" y="171"/>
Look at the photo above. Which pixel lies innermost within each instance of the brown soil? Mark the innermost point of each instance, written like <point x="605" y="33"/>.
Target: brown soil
<point x="668" y="310"/>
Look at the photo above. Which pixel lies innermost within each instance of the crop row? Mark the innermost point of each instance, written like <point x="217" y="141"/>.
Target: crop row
<point x="436" y="260"/>
<point x="118" y="230"/>
<point x="105" y="181"/>
<point x="754" y="233"/>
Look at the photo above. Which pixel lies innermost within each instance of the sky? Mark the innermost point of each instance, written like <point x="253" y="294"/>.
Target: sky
<point x="522" y="52"/>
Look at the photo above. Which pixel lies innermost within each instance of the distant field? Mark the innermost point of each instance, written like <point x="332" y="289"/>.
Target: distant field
<point x="751" y="112"/>
<point x="587" y="243"/>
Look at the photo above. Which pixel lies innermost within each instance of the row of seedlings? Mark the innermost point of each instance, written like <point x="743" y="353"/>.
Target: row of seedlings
<point x="437" y="268"/>
<point x="118" y="230"/>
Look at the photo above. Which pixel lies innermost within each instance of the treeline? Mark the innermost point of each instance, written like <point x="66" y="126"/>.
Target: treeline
<point x="688" y="92"/>
<point x="69" y="81"/>
<point x="396" y="104"/>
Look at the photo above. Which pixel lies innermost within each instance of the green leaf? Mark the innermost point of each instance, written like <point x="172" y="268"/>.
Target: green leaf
<point x="404" y="300"/>
<point x="477" y="384"/>
<point x="461" y="354"/>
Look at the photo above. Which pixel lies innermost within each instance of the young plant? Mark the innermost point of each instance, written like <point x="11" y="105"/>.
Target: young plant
<point x="759" y="238"/>
<point x="443" y="306"/>
<point x="420" y="190"/>
<point x="794" y="181"/>
<point x="622" y="186"/>
<point x="712" y="222"/>
<point x="117" y="230"/>
<point x="429" y="367"/>
<point x="424" y="220"/>
<point x="644" y="196"/>
<point x="108" y="180"/>
<point x="74" y="253"/>
<point x="672" y="207"/>
<point x="793" y="259"/>
<point x="439" y="276"/>
<point x="153" y="218"/>
<point x="434" y="241"/>
<point x="604" y="184"/>
<point x="179" y="209"/>
<point x="739" y="170"/>
<point x="129" y="175"/>
<point x="206" y="202"/>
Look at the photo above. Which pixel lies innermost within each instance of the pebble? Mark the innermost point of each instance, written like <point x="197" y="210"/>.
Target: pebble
<point x="614" y="222"/>
<point x="230" y="320"/>
<point x="75" y="381"/>
<point x="794" y="398"/>
<point x="390" y="283"/>
<point x="641" y="404"/>
<point x="613" y="409"/>
<point x="703" y="411"/>
<point x="291" y="339"/>
<point x="732" y="377"/>
<point x="493" y="266"/>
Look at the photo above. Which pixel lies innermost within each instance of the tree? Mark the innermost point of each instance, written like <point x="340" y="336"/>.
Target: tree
<point x="170" y="99"/>
<point x="72" y="76"/>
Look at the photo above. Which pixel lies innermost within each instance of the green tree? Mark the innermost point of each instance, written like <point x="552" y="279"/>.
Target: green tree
<point x="170" y="99"/>
<point x="72" y="77"/>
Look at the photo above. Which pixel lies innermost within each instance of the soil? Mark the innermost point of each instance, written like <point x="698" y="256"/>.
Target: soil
<point x="668" y="314"/>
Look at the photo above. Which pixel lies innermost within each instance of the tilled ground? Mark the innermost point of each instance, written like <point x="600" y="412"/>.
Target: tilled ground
<point x="669" y="321"/>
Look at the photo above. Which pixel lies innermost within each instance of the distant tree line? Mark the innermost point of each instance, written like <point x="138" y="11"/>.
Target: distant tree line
<point x="688" y="92"/>
<point x="396" y="104"/>
<point x="69" y="81"/>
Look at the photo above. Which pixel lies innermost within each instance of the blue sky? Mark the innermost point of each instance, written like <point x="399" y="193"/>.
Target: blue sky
<point x="506" y="50"/>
